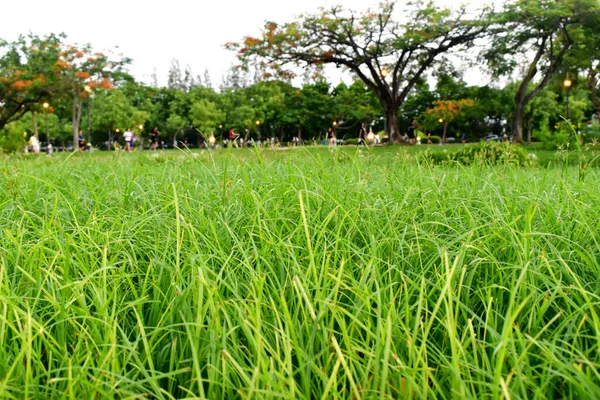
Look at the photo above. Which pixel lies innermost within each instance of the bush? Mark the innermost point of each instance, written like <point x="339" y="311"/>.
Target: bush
<point x="352" y="141"/>
<point x="491" y="153"/>
<point x="12" y="139"/>
<point x="551" y="140"/>
<point x="434" y="139"/>
<point x="591" y="137"/>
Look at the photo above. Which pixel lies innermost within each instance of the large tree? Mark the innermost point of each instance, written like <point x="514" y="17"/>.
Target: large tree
<point x="29" y="75"/>
<point x="585" y="56"/>
<point x="538" y="35"/>
<point x="388" y="52"/>
<point x="83" y="70"/>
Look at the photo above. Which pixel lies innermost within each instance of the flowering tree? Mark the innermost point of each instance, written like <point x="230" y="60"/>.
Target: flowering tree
<point x="446" y="111"/>
<point x="389" y="56"/>
<point x="82" y="71"/>
<point x="27" y="75"/>
<point x="34" y="70"/>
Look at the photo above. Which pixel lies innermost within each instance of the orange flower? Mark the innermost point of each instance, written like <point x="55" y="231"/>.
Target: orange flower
<point x="82" y="75"/>
<point x="250" y="41"/>
<point x="106" y="84"/>
<point x="21" y="84"/>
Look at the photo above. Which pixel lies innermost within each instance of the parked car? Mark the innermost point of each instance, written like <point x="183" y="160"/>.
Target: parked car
<point x="492" y="137"/>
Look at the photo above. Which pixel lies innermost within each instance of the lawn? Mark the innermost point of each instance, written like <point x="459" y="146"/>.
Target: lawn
<point x="303" y="273"/>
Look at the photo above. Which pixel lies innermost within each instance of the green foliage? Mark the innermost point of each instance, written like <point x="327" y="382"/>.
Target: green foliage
<point x="176" y="124"/>
<point x="492" y="153"/>
<point x="12" y="139"/>
<point x="29" y="74"/>
<point x="435" y="139"/>
<point x="591" y="137"/>
<point x="206" y="116"/>
<point x="551" y="140"/>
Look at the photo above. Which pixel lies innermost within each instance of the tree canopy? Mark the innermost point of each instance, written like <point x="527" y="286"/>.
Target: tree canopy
<point x="388" y="52"/>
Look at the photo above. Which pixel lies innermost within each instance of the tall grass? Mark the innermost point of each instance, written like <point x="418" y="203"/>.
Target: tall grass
<point x="296" y="275"/>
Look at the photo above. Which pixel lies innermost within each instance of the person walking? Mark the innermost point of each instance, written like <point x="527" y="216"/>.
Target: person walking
<point x="411" y="131"/>
<point x="154" y="138"/>
<point x="34" y="143"/>
<point x="362" y="135"/>
<point x="331" y="136"/>
<point x="128" y="137"/>
<point x="232" y="136"/>
<point x="80" y="141"/>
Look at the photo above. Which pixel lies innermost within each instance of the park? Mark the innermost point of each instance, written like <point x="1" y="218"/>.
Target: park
<point x="193" y="240"/>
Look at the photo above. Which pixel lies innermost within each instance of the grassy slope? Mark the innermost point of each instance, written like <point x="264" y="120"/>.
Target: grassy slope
<point x="303" y="274"/>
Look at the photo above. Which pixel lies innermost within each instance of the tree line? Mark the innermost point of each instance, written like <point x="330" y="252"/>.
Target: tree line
<point x="400" y="61"/>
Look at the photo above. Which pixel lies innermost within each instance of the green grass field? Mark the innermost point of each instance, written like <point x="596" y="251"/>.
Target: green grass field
<point x="296" y="274"/>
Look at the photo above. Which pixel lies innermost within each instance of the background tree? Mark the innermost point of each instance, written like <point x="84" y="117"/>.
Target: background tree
<point x="446" y="111"/>
<point x="206" y="117"/>
<point x="176" y="124"/>
<point x="82" y="71"/>
<point x="585" y="56"/>
<point x="546" y="30"/>
<point x="387" y="55"/>
<point x="29" y="74"/>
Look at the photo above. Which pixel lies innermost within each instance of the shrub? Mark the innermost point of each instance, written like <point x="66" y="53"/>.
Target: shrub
<point x="491" y="153"/>
<point x="551" y="140"/>
<point x="591" y="137"/>
<point x="12" y="139"/>
<point x="352" y="141"/>
<point x="434" y="139"/>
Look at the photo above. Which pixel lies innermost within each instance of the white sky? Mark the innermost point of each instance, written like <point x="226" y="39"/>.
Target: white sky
<point x="154" y="32"/>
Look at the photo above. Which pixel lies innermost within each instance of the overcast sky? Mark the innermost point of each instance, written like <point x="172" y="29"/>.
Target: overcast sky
<point x="154" y="32"/>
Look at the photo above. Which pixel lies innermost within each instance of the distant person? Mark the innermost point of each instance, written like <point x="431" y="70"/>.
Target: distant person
<point x="463" y="138"/>
<point x="81" y="141"/>
<point x="154" y="138"/>
<point x="314" y="141"/>
<point x="429" y="138"/>
<point x="412" y="126"/>
<point x="331" y="136"/>
<point x="34" y="143"/>
<point x="362" y="135"/>
<point x="231" y="137"/>
<point x="128" y="137"/>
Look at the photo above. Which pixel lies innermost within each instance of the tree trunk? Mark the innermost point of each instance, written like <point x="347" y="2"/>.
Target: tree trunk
<point x="444" y="132"/>
<point x="529" y="131"/>
<point x="592" y="85"/>
<point x="77" y="102"/>
<point x="518" y="122"/>
<point x="110" y="138"/>
<point x="299" y="134"/>
<point x="34" y="122"/>
<point x="391" y="119"/>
